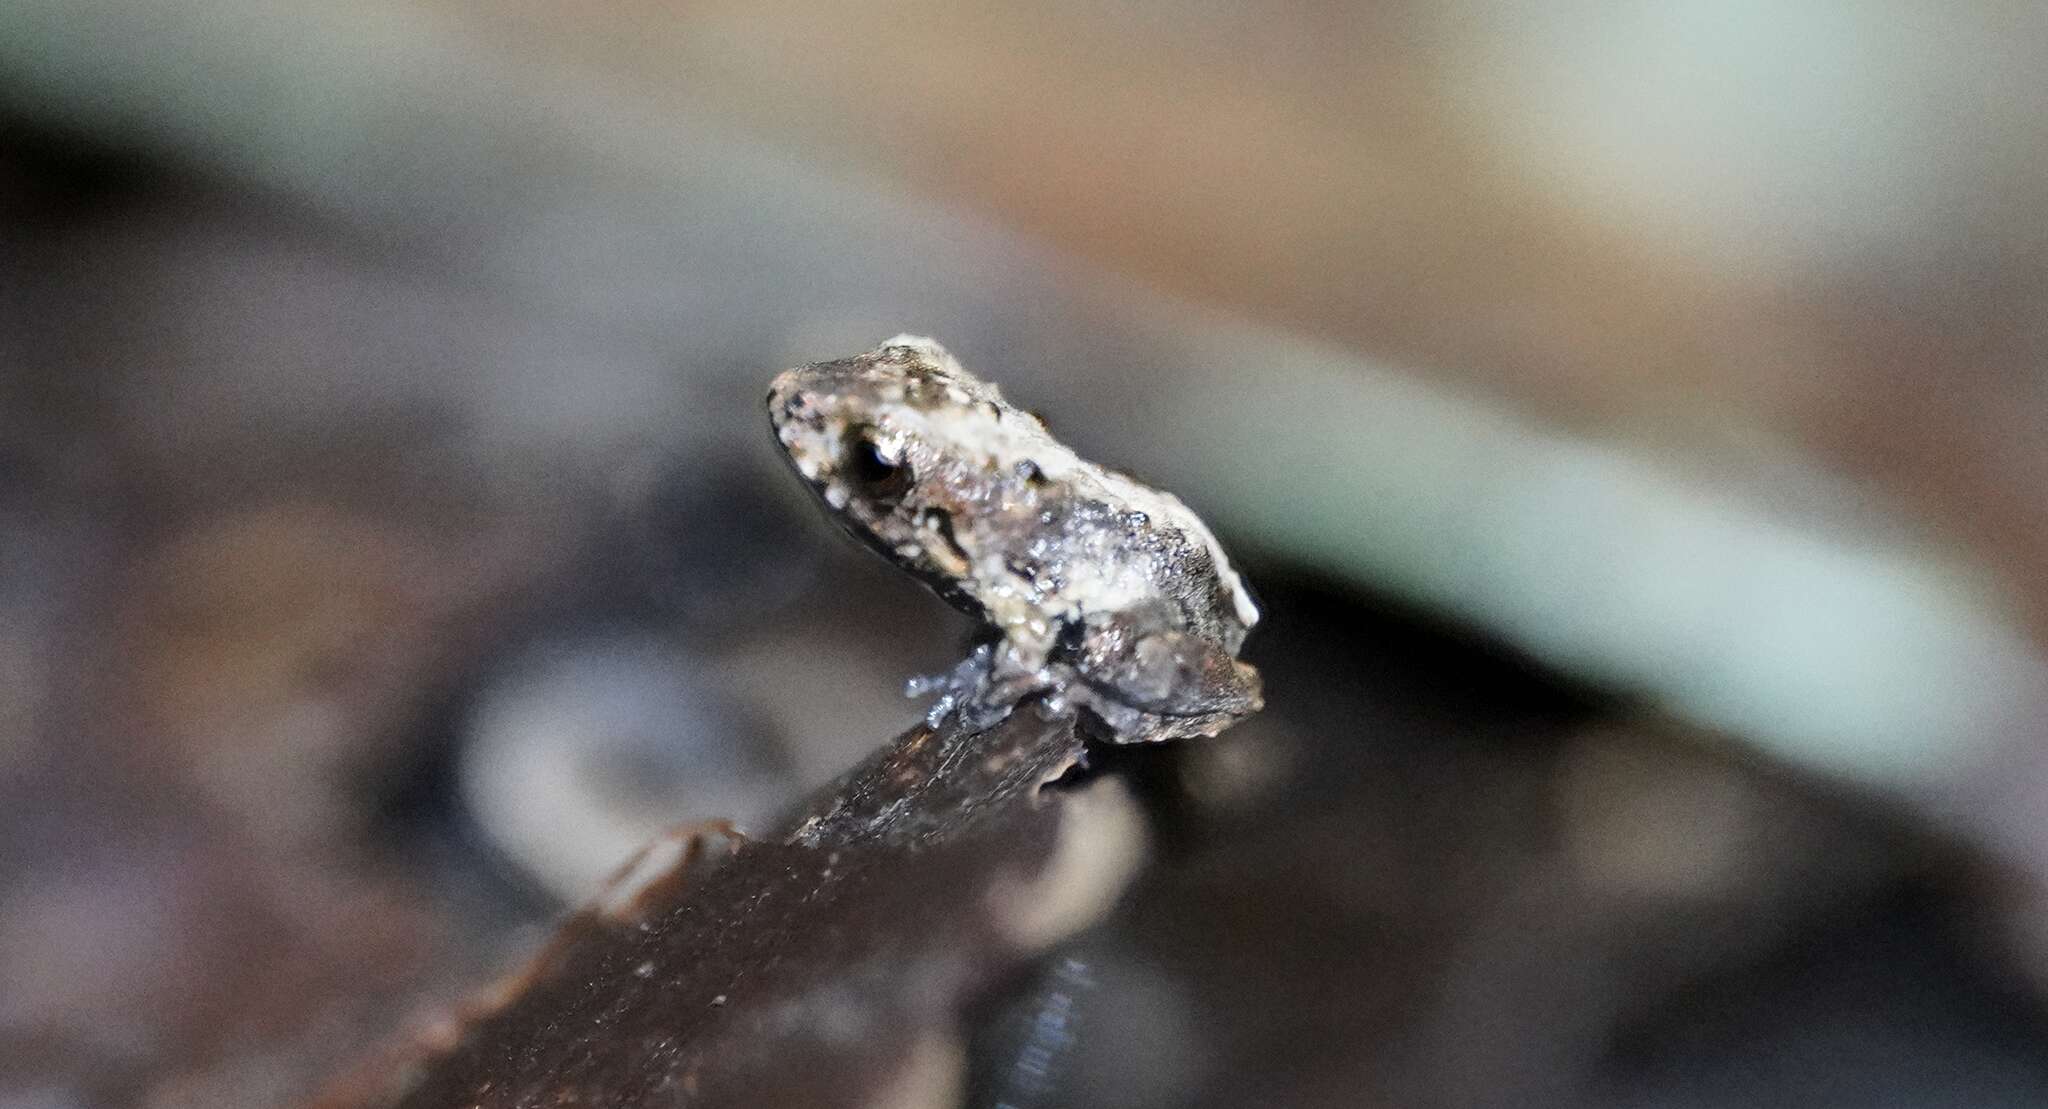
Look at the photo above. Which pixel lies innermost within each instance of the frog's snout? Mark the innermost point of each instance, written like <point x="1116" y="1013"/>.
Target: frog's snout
<point x="782" y="391"/>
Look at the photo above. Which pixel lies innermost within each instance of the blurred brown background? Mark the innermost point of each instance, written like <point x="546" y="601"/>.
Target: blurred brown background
<point x="1634" y="415"/>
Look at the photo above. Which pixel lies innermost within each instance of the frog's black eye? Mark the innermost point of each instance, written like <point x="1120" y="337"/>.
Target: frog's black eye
<point x="872" y="471"/>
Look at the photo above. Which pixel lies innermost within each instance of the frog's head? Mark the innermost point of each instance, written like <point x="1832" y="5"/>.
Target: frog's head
<point x="902" y="445"/>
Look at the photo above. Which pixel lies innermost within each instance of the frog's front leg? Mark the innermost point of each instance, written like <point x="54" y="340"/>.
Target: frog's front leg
<point x="956" y="688"/>
<point x="987" y="684"/>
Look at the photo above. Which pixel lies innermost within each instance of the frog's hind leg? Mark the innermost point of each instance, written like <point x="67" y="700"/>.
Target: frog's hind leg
<point x="1183" y="683"/>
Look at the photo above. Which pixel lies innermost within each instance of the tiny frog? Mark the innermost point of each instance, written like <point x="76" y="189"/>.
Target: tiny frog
<point x="1103" y="594"/>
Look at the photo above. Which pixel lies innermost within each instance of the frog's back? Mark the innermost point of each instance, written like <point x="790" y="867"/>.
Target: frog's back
<point x="1140" y="548"/>
<point x="1205" y="587"/>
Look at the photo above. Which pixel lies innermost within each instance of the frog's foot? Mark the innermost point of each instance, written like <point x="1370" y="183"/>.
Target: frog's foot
<point x="955" y="688"/>
<point x="982" y="688"/>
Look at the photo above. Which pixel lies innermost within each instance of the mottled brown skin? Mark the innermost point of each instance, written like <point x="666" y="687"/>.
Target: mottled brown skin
<point x="1105" y="594"/>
